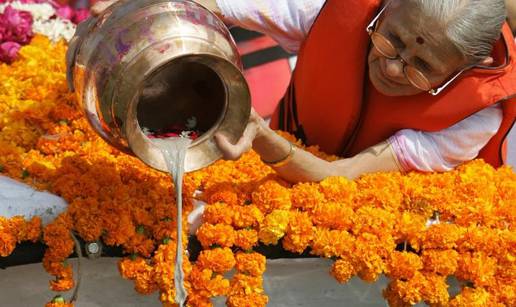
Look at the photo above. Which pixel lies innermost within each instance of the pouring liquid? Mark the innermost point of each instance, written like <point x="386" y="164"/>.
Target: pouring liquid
<point x="174" y="152"/>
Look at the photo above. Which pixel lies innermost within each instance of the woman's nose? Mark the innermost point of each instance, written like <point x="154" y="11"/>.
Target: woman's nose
<point x="394" y="68"/>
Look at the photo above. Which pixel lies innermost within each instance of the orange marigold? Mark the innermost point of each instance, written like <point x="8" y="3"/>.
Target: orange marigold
<point x="246" y="239"/>
<point x="270" y="196"/>
<point x="403" y="265"/>
<point x="300" y="232"/>
<point x="250" y="263"/>
<point x="343" y="269"/>
<point x="219" y="260"/>
<point x="443" y="262"/>
<point x="219" y="234"/>
<point x="251" y="300"/>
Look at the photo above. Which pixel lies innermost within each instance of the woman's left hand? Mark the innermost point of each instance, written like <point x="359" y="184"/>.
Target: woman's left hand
<point x="245" y="143"/>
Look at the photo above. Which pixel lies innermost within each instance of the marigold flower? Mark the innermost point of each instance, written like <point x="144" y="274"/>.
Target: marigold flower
<point x="443" y="262"/>
<point x="219" y="260"/>
<point x="220" y="234"/>
<point x="442" y="236"/>
<point x="343" y="270"/>
<point x="305" y="196"/>
<point x="218" y="213"/>
<point x="251" y="300"/>
<point x="250" y="263"/>
<point x="476" y="267"/>
<point x="274" y="226"/>
<point x="333" y="215"/>
<point x="403" y="265"/>
<point x="300" y="232"/>
<point x="270" y="196"/>
<point x="246" y="239"/>
<point x="247" y="216"/>
<point x="332" y="243"/>
<point x="242" y="284"/>
<point x="207" y="283"/>
<point x="338" y="189"/>
<point x="474" y="297"/>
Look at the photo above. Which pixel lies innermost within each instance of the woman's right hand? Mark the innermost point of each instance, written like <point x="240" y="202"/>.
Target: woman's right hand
<point x="253" y="129"/>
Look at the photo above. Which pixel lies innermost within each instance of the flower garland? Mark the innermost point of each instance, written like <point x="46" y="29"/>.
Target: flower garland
<point x="374" y="225"/>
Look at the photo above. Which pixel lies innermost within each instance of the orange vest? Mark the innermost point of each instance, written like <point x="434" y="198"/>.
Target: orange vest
<point x="331" y="102"/>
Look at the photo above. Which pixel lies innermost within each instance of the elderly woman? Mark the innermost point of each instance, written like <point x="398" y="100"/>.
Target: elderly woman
<point x="400" y="85"/>
<point x="413" y="85"/>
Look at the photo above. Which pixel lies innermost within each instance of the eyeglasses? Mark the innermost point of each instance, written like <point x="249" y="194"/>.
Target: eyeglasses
<point x="413" y="75"/>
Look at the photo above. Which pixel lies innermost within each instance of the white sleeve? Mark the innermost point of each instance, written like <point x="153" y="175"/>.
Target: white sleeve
<point x="286" y="21"/>
<point x="445" y="149"/>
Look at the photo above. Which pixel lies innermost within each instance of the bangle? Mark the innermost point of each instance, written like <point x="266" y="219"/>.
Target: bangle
<point x="284" y="160"/>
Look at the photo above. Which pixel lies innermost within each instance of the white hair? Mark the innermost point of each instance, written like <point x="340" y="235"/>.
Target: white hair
<point x="473" y="26"/>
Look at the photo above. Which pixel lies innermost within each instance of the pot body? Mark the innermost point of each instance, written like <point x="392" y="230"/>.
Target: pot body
<point x="146" y="64"/>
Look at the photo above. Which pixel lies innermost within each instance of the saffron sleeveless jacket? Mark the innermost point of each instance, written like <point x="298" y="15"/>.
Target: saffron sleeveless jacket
<point x="331" y="102"/>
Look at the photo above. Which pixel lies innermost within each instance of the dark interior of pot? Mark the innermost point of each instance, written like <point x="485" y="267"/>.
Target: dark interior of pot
<point x="182" y="95"/>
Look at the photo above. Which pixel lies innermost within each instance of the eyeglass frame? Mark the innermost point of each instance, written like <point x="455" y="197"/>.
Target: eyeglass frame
<point x="371" y="29"/>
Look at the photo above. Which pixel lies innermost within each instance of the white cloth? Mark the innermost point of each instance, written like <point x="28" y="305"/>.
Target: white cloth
<point x="289" y="21"/>
<point x="17" y="198"/>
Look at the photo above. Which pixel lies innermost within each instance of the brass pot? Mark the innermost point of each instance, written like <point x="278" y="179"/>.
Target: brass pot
<point x="150" y="63"/>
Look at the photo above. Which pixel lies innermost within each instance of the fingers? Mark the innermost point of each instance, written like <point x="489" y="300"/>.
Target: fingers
<point x="234" y="151"/>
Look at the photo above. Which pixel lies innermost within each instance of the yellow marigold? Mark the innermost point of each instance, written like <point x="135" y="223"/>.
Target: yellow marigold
<point x="333" y="215"/>
<point x="270" y="196"/>
<point x="300" y="232"/>
<point x="274" y="226"/>
<point x="305" y="196"/>
<point x="503" y="291"/>
<point x="442" y="236"/>
<point x="247" y="216"/>
<point x="219" y="260"/>
<point x="403" y="265"/>
<point x="343" y="269"/>
<point x="220" y="234"/>
<point x="246" y="239"/>
<point x="443" y="262"/>
<point x="393" y="298"/>
<point x="250" y="263"/>
<point x="251" y="300"/>
<point x="332" y="243"/>
<point x="218" y="213"/>
<point x="338" y="189"/>
<point x="242" y="284"/>
<point x="476" y="267"/>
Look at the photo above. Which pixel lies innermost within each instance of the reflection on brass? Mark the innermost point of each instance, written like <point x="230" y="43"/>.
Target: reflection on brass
<point x="150" y="63"/>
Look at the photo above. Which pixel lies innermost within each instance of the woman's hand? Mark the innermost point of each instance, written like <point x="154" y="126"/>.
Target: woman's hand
<point x="253" y="129"/>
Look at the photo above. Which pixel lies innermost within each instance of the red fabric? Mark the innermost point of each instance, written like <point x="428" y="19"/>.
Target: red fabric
<point x="345" y="114"/>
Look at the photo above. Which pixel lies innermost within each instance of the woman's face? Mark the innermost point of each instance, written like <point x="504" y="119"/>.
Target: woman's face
<point x="419" y="41"/>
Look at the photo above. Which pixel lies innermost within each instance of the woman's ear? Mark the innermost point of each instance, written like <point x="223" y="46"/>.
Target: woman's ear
<point x="487" y="61"/>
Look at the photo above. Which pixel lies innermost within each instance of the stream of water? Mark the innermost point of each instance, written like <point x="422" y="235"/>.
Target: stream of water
<point x="174" y="152"/>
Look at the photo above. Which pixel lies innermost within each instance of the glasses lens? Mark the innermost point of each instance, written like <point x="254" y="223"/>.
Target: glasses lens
<point x="417" y="79"/>
<point x="384" y="46"/>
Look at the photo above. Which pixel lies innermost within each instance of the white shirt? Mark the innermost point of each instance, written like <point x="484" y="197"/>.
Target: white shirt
<point x="289" y="21"/>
